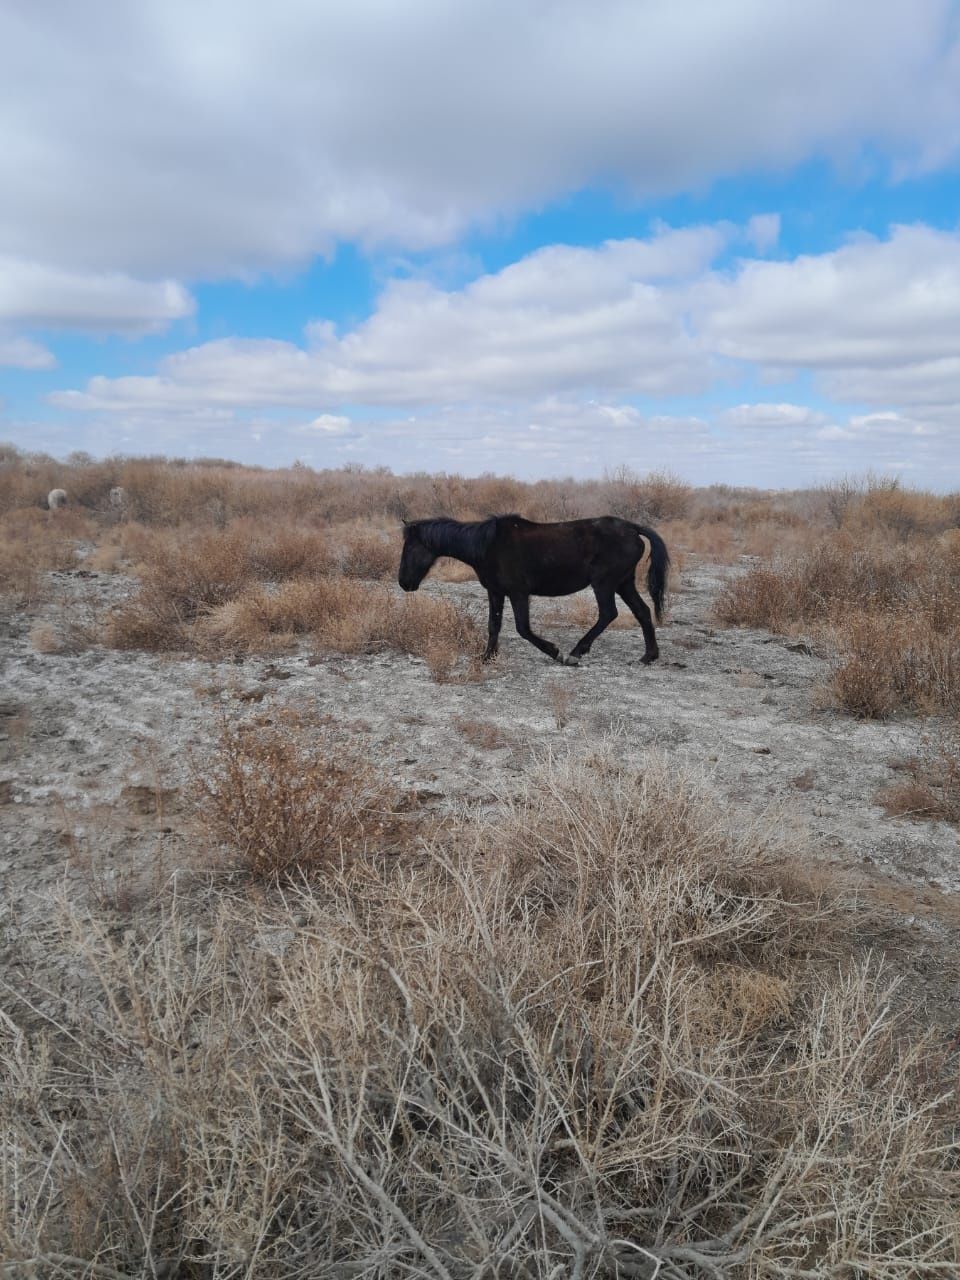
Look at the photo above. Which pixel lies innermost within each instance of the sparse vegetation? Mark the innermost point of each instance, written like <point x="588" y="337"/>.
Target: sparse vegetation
<point x="614" y="1034"/>
<point x="481" y="733"/>
<point x="930" y="785"/>
<point x="892" y="610"/>
<point x="278" y="804"/>
<point x="604" y="1023"/>
<point x="31" y="544"/>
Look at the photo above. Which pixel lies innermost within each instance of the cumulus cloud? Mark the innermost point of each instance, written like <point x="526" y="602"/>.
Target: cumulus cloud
<point x="869" y="303"/>
<point x="38" y="295"/>
<point x="876" y="321"/>
<point x="574" y="343"/>
<point x="171" y="138"/>
<point x="560" y="319"/>
<point x="23" y="353"/>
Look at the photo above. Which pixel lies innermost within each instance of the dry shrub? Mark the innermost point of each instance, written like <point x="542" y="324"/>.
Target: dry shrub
<point x="932" y="786"/>
<point x="145" y="621"/>
<point x="298" y="607"/>
<point x="365" y="553"/>
<point x="665" y="496"/>
<point x="319" y="522"/>
<point x="199" y="571"/>
<point x="106" y="556"/>
<point x="893" y="611"/>
<point x="447" y="570"/>
<point x="280" y="802"/>
<point x="187" y="579"/>
<point x="889" y="507"/>
<point x="211" y="575"/>
<point x="283" y="551"/>
<point x="660" y="495"/>
<point x="33" y="542"/>
<point x="892" y="663"/>
<point x="600" y="1037"/>
<point x="422" y="625"/>
<point x="842" y="575"/>
<point x="761" y="597"/>
<point x="348" y="617"/>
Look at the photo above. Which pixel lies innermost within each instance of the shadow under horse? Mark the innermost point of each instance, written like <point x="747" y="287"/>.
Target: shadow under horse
<point x="516" y="559"/>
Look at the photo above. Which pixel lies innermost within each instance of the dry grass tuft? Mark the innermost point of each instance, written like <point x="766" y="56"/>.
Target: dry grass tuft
<point x="32" y="542"/>
<point x="367" y="553"/>
<point x="893" y="611"/>
<point x="481" y="733"/>
<point x="932" y="786"/>
<point x="893" y="663"/>
<point x="347" y="616"/>
<point x="660" y="495"/>
<point x="562" y="699"/>
<point x="602" y="1037"/>
<point x="44" y="638"/>
<point x="279" y="802"/>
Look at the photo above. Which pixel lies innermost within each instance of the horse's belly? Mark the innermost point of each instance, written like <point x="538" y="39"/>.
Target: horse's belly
<point x="559" y="584"/>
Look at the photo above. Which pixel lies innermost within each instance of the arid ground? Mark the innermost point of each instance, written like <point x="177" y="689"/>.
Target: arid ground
<point x="159" y="775"/>
<point x="97" y="745"/>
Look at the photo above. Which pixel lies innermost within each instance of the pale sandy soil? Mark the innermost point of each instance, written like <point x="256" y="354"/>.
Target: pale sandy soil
<point x="88" y="742"/>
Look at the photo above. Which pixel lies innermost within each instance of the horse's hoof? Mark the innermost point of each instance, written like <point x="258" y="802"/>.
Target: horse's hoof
<point x="572" y="661"/>
<point x="648" y="658"/>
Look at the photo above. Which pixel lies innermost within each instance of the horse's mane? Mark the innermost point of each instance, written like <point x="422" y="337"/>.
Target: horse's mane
<point x="469" y="539"/>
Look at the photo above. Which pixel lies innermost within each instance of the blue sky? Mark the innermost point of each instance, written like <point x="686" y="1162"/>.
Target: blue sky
<point x="717" y="236"/>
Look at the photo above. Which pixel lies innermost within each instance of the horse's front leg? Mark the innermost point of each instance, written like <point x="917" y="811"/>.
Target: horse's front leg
<point x="494" y="622"/>
<point x="521" y="613"/>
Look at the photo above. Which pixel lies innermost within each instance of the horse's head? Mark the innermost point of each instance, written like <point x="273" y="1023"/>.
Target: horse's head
<point x="417" y="559"/>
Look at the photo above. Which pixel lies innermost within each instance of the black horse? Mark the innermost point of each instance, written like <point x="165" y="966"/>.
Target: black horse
<point x="520" y="558"/>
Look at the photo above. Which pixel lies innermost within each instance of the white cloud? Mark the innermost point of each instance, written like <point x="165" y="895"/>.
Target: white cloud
<point x="171" y="138"/>
<point x="561" y="319"/>
<point x="23" y="353"/>
<point x="876" y="321"/>
<point x="330" y="424"/>
<point x="571" y="437"/>
<point x="871" y="304"/>
<point x="570" y="341"/>
<point x="771" y="416"/>
<point x="39" y="295"/>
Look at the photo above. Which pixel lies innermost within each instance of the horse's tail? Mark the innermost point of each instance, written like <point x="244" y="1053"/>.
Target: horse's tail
<point x="659" y="568"/>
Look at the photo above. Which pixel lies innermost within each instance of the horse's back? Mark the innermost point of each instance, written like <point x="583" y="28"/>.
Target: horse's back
<point x="560" y="557"/>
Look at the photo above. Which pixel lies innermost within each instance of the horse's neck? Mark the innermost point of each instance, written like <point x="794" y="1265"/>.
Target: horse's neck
<point x="461" y="544"/>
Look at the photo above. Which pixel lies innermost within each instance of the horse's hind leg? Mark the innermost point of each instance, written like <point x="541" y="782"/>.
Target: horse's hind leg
<point x="493" y="625"/>
<point x="607" y="607"/>
<point x="521" y="613"/>
<point x="628" y="593"/>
